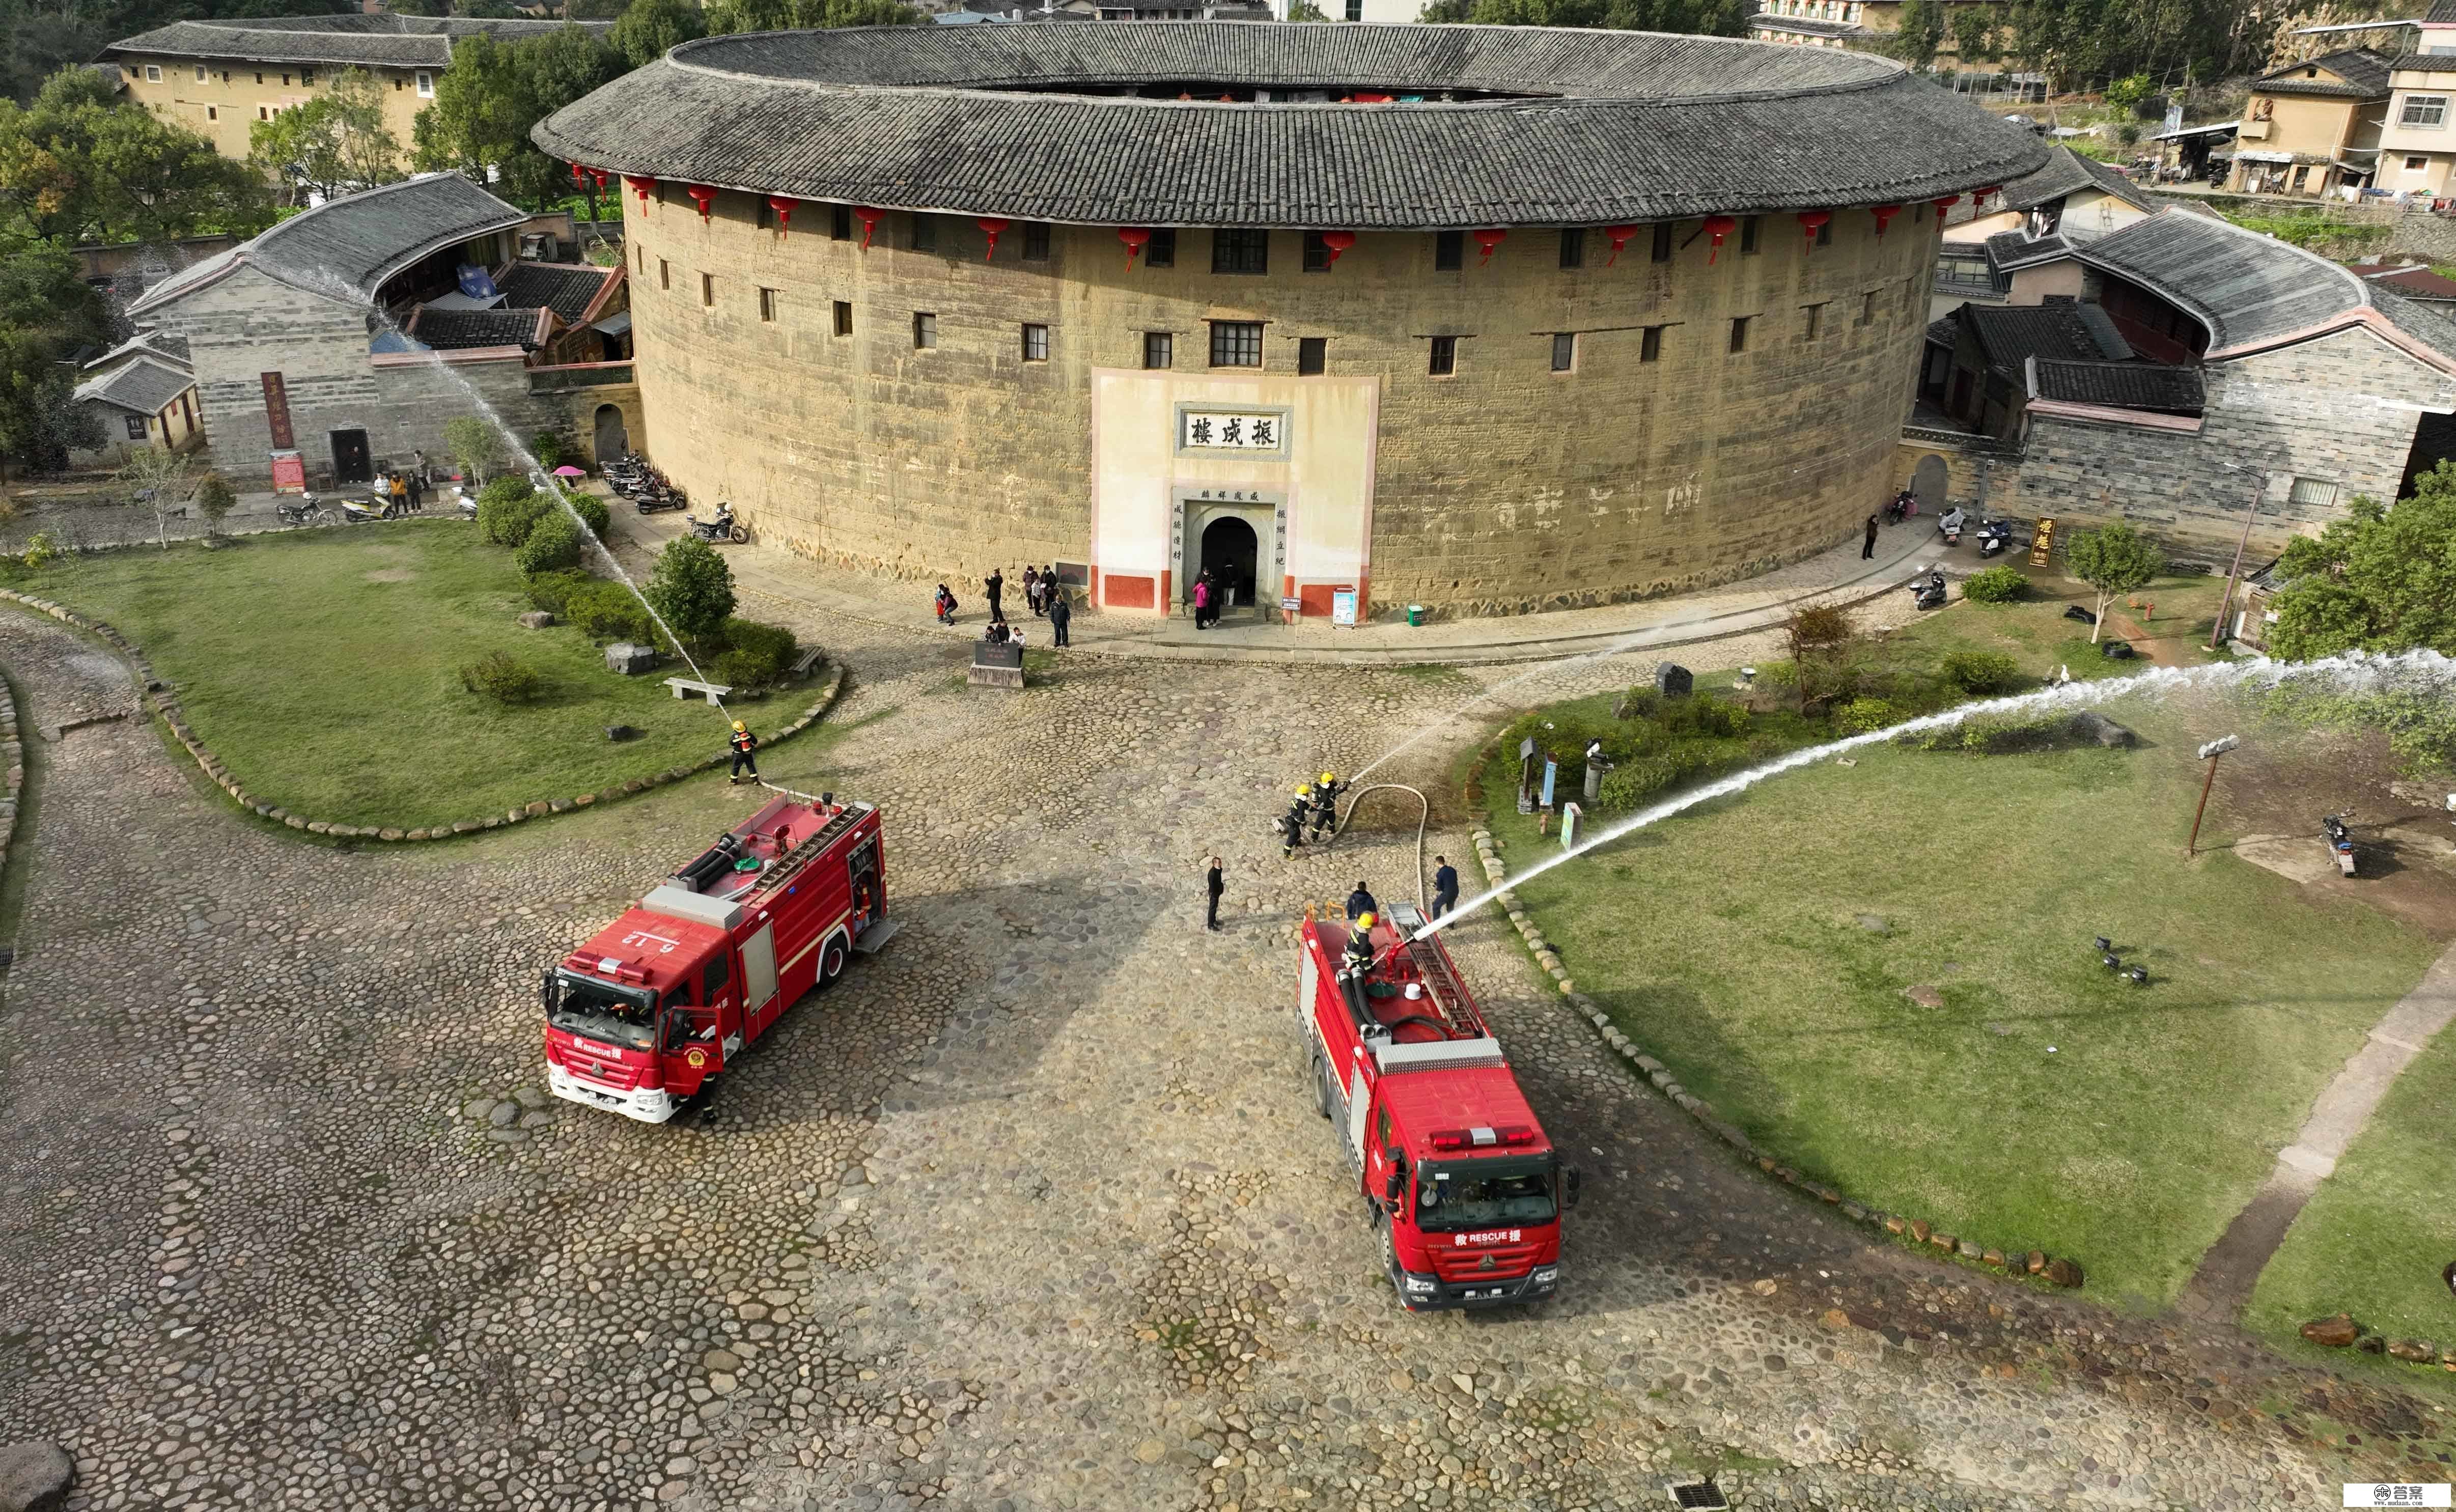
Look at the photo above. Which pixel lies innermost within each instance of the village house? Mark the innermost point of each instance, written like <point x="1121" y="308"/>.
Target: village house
<point x="2314" y="126"/>
<point x="337" y="344"/>
<point x="2197" y="368"/>
<point x="144" y="394"/>
<point x="2014" y="254"/>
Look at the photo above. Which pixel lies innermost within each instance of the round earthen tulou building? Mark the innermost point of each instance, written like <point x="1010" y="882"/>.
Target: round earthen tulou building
<point x="1489" y="319"/>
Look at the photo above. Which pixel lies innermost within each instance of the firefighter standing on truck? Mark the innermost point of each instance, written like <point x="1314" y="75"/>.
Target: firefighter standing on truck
<point x="743" y="743"/>
<point x="1359" y="945"/>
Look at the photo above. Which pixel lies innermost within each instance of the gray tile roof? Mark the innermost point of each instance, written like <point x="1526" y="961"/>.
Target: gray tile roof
<point x="1613" y="126"/>
<point x="159" y="345"/>
<point x="2009" y="333"/>
<point x="453" y="330"/>
<point x="393" y="41"/>
<point x="2363" y="72"/>
<point x="2122" y="385"/>
<point x="346" y="248"/>
<point x="144" y="386"/>
<point x="2066" y="173"/>
<point x="2442" y="12"/>
<point x="2244" y="286"/>
<point x="2009" y="250"/>
<point x="565" y="288"/>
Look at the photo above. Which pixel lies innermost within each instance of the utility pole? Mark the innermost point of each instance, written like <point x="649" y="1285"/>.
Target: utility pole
<point x="2225" y="600"/>
<point x="2210" y="753"/>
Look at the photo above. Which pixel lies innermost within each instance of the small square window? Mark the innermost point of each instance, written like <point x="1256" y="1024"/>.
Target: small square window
<point x="763" y="214"/>
<point x="1573" y="246"/>
<point x="1663" y="241"/>
<point x="1449" y="250"/>
<point x="263" y="115"/>
<point x="260" y="77"/>
<point x="1035" y="343"/>
<point x="1160" y="251"/>
<point x="285" y="81"/>
<point x="1825" y="235"/>
<point x="135" y="427"/>
<point x="1740" y="333"/>
<point x="664" y="274"/>
<point x="1316" y="253"/>
<point x="1313" y="354"/>
<point x="1650" y="347"/>
<point x="201" y="73"/>
<point x="1036" y="241"/>
<point x="306" y="76"/>
<point x="707" y="290"/>
<point x="1445" y="357"/>
<point x="1235" y="343"/>
<point x="1868" y="308"/>
<point x="213" y="114"/>
<point x="1815" y="322"/>
<point x="426" y="86"/>
<point x="840" y="222"/>
<point x="2313" y="493"/>
<point x="1565" y="351"/>
<point x="925" y="234"/>
<point x="640" y="256"/>
<point x="844" y="317"/>
<point x="1240" y="249"/>
<point x="925" y="332"/>
<point x="154" y="73"/>
<point x="767" y="305"/>
<point x="1159" y="350"/>
<point x="1749" y="225"/>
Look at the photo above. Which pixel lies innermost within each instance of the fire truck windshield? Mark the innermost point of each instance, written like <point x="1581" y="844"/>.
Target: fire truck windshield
<point x="1485" y="1193"/>
<point x="604" y="1011"/>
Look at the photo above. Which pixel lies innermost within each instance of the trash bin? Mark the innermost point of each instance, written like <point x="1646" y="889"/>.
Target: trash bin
<point x="1415" y="614"/>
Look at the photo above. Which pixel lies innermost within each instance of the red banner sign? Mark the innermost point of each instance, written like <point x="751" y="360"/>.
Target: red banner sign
<point x="276" y="412"/>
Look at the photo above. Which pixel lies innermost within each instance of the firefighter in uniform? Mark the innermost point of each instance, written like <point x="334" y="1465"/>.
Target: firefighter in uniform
<point x="743" y="744"/>
<point x="1325" y="807"/>
<point x="1359" y="945"/>
<point x="1292" y="827"/>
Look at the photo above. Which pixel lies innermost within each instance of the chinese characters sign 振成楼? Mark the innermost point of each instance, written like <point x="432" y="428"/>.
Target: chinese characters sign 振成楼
<point x="1230" y="431"/>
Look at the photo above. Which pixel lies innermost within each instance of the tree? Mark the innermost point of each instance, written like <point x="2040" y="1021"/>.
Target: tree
<point x="2115" y="561"/>
<point x="81" y="164"/>
<point x="2377" y="580"/>
<point x="160" y="481"/>
<point x="1820" y="637"/>
<point x="2125" y="94"/>
<point x="1305" y="11"/>
<point x="728" y="16"/>
<point x="1918" y="34"/>
<point x="494" y="92"/>
<point x="650" y="28"/>
<point x="47" y="312"/>
<point x="334" y="143"/>
<point x="216" y="498"/>
<point x="474" y="444"/>
<point x="1975" y="29"/>
<point x="593" y="10"/>
<point x="691" y="589"/>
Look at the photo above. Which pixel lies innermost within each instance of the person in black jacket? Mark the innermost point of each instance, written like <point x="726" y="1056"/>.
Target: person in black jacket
<point x="994" y="586"/>
<point x="1060" y="615"/>
<point x="1444" y="886"/>
<point x="1359" y="902"/>
<point x="1216" y="885"/>
<point x="743" y="742"/>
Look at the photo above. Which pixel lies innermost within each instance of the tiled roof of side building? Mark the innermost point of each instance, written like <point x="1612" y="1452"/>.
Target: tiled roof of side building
<point x="455" y="330"/>
<point x="159" y="346"/>
<point x="144" y="386"/>
<point x="2010" y="250"/>
<point x="2442" y="12"/>
<point x="2008" y="333"/>
<point x="2363" y="72"/>
<point x="384" y="40"/>
<point x="2244" y="286"/>
<point x="1605" y="126"/>
<point x="2066" y="173"/>
<point x="566" y="289"/>
<point x="344" y="249"/>
<point x="2122" y="385"/>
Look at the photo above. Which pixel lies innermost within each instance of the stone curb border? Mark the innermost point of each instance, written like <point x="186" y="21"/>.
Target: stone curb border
<point x="164" y="700"/>
<point x="2060" y="1270"/>
<point x="13" y="754"/>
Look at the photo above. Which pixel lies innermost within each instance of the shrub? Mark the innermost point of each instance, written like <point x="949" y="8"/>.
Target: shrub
<point x="502" y="677"/>
<point x="548" y="448"/>
<point x="507" y="515"/>
<point x="692" y="589"/>
<point x="42" y="548"/>
<point x="1703" y="714"/>
<point x="553" y="545"/>
<point x="606" y="611"/>
<point x="1981" y="672"/>
<point x="1638" y="703"/>
<point x="1863" y="716"/>
<point x="767" y="649"/>
<point x="742" y="671"/>
<point x="591" y="510"/>
<point x="2001" y="584"/>
<point x="552" y="591"/>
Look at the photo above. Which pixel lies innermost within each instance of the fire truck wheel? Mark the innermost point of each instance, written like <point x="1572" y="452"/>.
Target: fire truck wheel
<point x="832" y="960"/>
<point x="1320" y="1088"/>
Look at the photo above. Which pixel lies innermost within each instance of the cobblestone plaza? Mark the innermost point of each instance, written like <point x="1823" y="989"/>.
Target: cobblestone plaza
<point x="1028" y="1212"/>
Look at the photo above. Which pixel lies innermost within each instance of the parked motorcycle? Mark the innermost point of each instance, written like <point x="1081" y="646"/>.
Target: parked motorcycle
<point x="719" y="528"/>
<point x="1995" y="538"/>
<point x="663" y="498"/>
<point x="1903" y="505"/>
<point x="1927" y="590"/>
<point x="306" y="512"/>
<point x="2341" y="845"/>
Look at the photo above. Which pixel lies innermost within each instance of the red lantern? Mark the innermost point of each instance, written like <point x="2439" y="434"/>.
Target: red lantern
<point x="1813" y="221"/>
<point x="783" y="209"/>
<point x="640" y="185"/>
<point x="1884" y="215"/>
<point x="1487" y="240"/>
<point x="1336" y="242"/>
<point x="1943" y="203"/>
<point x="576" y="181"/>
<point x="599" y="175"/>
<point x="1619" y="236"/>
<point x="1718" y="227"/>
<point x="703" y="193"/>
<point x="869" y="219"/>
<point x="992" y="224"/>
<point x="1135" y="238"/>
<point x="1979" y="196"/>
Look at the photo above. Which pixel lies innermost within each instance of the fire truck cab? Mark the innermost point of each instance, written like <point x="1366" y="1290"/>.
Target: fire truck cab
<point x="1464" y="1190"/>
<point x="641" y="1018"/>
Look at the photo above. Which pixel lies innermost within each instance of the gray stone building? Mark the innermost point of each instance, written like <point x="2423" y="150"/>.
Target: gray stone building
<point x="2243" y="369"/>
<point x="346" y="337"/>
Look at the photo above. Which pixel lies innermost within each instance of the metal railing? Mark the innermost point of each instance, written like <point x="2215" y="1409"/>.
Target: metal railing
<point x="567" y="375"/>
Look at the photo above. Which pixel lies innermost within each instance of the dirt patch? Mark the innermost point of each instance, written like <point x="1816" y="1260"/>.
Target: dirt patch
<point x="391" y="575"/>
<point x="2271" y="798"/>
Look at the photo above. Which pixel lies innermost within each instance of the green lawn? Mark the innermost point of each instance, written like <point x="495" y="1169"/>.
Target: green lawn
<point x="322" y="666"/>
<point x="2035" y="633"/>
<point x="2045" y="1104"/>
<point x="2377" y="1233"/>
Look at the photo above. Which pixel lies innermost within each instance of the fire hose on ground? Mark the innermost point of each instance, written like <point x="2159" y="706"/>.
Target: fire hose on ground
<point x="1424" y="820"/>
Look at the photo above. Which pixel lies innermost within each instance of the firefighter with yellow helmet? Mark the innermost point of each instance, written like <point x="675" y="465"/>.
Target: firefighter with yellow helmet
<point x="1325" y="798"/>
<point x="1292" y="827"/>
<point x="743" y="744"/>
<point x="1359" y="943"/>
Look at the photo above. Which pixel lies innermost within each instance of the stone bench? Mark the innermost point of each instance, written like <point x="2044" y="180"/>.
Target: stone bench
<point x="684" y="688"/>
<point x="995" y="665"/>
<point x="808" y="661"/>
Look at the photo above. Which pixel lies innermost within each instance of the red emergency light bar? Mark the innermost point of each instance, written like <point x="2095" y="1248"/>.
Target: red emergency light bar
<point x="605" y="966"/>
<point x="1516" y="1134"/>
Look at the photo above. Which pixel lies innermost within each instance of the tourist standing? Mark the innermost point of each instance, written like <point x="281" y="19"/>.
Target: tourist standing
<point x="1216" y="885"/>
<point x="1444" y="886"/>
<point x="1202" y="603"/>
<point x="1868" y="547"/>
<point x="1060" y="613"/>
<point x="1032" y="588"/>
<point x="400" y="493"/>
<point x="1360" y="901"/>
<point x="943" y="602"/>
<point x="416" y="492"/>
<point x="994" y="584"/>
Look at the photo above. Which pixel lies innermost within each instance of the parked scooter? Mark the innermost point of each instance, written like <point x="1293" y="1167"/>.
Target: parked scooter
<point x="661" y="498"/>
<point x="1950" y="527"/>
<point x="2341" y="845"/>
<point x="1927" y="590"/>
<point x="721" y="529"/>
<point x="1994" y="538"/>
<point x="359" y="512"/>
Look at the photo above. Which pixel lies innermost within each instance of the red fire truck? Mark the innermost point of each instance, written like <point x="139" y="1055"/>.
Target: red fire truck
<point x="1464" y="1190"/>
<point x="656" y="1004"/>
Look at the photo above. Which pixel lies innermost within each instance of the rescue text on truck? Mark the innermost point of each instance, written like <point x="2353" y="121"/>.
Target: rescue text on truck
<point x="1464" y="1189"/>
<point x="641" y="1018"/>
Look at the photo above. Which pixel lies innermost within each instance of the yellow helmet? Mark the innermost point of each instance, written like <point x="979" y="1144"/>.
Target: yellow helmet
<point x="1364" y="919"/>
<point x="741" y="726"/>
<point x="1304" y="793"/>
<point x="1327" y="778"/>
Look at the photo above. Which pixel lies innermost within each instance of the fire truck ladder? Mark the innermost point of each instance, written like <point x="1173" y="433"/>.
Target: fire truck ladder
<point x="790" y="864"/>
<point x="1440" y="982"/>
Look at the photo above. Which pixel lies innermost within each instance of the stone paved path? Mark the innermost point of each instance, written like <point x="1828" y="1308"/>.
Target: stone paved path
<point x="1028" y="1212"/>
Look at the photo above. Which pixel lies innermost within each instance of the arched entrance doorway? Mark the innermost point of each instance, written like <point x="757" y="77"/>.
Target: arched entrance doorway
<point x="612" y="439"/>
<point x="1230" y="554"/>
<point x="1930" y="481"/>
